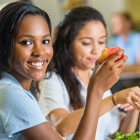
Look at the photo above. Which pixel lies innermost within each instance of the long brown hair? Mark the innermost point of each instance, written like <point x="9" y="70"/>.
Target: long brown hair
<point x="68" y="29"/>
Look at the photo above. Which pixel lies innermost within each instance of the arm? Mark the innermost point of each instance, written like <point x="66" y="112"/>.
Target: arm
<point x="101" y="80"/>
<point x="66" y="123"/>
<point x="129" y="123"/>
<point x="132" y="96"/>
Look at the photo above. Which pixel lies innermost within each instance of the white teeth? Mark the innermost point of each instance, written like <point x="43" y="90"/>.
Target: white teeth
<point x="37" y="64"/>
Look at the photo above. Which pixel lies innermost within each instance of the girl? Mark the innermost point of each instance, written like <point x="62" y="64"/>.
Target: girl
<point x="25" y="54"/>
<point x="125" y="36"/>
<point x="80" y="39"/>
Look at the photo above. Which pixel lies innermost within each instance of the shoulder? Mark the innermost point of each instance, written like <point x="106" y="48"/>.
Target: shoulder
<point x="9" y="91"/>
<point x="135" y="35"/>
<point x="18" y="108"/>
<point x="53" y="77"/>
<point x="54" y="80"/>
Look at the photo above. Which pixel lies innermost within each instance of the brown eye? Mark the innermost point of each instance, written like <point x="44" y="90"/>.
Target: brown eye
<point x="102" y="43"/>
<point x="26" y="42"/>
<point x="45" y="41"/>
<point x="86" y="44"/>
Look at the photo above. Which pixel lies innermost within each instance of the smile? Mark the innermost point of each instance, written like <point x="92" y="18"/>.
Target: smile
<point x="37" y="65"/>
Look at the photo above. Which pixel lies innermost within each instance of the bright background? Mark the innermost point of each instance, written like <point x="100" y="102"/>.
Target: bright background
<point x="106" y="7"/>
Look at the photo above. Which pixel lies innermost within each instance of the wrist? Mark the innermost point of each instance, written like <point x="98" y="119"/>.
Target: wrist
<point x="94" y="89"/>
<point x="113" y="99"/>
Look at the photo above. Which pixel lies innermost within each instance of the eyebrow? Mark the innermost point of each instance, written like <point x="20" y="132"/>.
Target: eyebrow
<point x="91" y="38"/>
<point x="30" y="36"/>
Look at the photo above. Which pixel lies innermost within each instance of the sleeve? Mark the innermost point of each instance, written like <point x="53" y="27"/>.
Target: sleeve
<point x="136" y="44"/>
<point x="52" y="95"/>
<point x="117" y="117"/>
<point x="18" y="111"/>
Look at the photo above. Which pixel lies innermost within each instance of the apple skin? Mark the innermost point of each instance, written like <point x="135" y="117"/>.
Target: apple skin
<point x="107" y="52"/>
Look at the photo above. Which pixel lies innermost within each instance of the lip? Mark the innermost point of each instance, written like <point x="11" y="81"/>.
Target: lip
<point x="92" y="59"/>
<point x="35" y="66"/>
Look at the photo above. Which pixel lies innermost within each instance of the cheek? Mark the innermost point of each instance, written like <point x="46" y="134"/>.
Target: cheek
<point x="21" y="55"/>
<point x="82" y="54"/>
<point x="79" y="51"/>
<point x="49" y="52"/>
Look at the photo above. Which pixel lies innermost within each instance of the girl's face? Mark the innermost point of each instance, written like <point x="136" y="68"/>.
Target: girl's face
<point x="117" y="24"/>
<point x="33" y="49"/>
<point x="88" y="44"/>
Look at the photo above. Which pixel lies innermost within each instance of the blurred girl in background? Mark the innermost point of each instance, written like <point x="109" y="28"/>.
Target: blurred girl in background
<point x="125" y="37"/>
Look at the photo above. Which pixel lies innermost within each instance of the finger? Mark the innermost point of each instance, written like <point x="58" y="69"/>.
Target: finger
<point x="135" y="98"/>
<point x="134" y="104"/>
<point x="121" y="61"/>
<point x="117" y="72"/>
<point x="115" y="56"/>
<point x="128" y="108"/>
<point x="118" y="105"/>
<point x="96" y="64"/>
<point x="137" y="104"/>
<point x="117" y="69"/>
<point x="122" y="106"/>
<point x="137" y="90"/>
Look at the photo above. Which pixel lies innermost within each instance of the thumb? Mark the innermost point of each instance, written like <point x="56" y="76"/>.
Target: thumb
<point x="97" y="65"/>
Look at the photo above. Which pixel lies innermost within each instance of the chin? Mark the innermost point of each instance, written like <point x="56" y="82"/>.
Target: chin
<point x="91" y="66"/>
<point x="38" y="77"/>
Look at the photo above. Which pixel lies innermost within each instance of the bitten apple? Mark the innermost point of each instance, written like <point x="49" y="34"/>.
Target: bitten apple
<point x="106" y="53"/>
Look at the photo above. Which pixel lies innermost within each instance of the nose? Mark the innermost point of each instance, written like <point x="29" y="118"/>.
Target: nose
<point x="38" y="50"/>
<point x="95" y="49"/>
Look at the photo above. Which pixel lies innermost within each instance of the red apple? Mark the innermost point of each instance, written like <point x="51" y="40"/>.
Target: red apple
<point x="106" y="53"/>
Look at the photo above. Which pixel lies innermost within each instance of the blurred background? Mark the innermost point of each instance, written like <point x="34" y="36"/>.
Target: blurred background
<point x="57" y="8"/>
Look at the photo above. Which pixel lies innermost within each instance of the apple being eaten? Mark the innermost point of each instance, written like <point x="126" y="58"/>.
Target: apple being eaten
<point x="107" y="52"/>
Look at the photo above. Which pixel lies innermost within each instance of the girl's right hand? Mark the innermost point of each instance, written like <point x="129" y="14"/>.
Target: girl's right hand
<point x="108" y="73"/>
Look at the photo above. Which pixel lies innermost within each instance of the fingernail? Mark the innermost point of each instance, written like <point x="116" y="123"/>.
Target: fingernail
<point x="125" y="109"/>
<point x="118" y="105"/>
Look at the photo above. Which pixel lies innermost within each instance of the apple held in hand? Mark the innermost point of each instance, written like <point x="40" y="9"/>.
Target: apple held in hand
<point x="106" y="53"/>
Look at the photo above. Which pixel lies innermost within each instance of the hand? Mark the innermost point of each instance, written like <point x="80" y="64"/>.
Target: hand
<point x="126" y="106"/>
<point x="130" y="96"/>
<point x="108" y="73"/>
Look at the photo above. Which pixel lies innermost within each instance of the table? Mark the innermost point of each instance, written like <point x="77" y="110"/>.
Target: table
<point x="130" y="72"/>
<point x="130" y="77"/>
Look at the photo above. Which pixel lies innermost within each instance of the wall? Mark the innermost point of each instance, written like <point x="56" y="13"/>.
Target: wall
<point x="133" y="6"/>
<point x="106" y="7"/>
<point x="51" y="7"/>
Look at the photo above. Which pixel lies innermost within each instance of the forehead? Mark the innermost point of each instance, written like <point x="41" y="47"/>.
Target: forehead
<point x="34" y="24"/>
<point x="118" y="17"/>
<point x="92" y="28"/>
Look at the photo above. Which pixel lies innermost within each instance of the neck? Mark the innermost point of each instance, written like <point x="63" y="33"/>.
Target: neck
<point x="125" y="35"/>
<point x="83" y="75"/>
<point x="24" y="82"/>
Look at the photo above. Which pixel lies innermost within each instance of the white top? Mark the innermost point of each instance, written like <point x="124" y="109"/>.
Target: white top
<point x="54" y="95"/>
